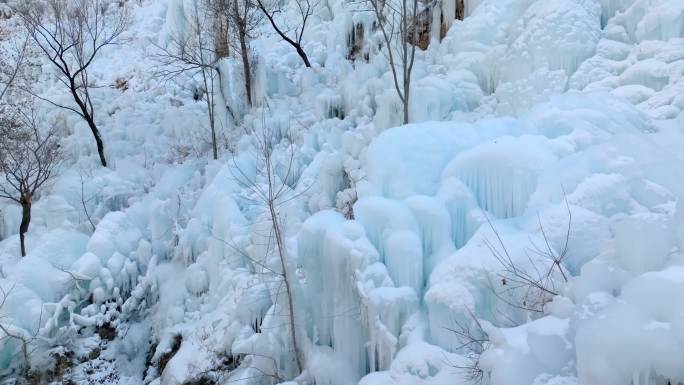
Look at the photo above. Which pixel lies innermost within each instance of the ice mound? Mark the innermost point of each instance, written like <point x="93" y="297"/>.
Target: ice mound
<point x="607" y="356"/>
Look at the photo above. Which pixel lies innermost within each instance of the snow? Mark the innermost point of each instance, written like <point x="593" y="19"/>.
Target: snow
<point x="652" y="326"/>
<point x="538" y="128"/>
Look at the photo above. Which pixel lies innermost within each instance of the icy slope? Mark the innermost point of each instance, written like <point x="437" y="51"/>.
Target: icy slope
<point x="623" y="195"/>
<point x="523" y="105"/>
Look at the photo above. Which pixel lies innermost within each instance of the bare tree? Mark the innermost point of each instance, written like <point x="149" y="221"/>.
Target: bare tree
<point x="397" y="21"/>
<point x="71" y="34"/>
<point x="271" y="194"/>
<point x="305" y="9"/>
<point x="195" y="53"/>
<point x="28" y="159"/>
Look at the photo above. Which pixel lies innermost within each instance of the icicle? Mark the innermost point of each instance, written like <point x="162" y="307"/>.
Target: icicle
<point x="502" y="175"/>
<point x="392" y="228"/>
<point x="435" y="223"/>
<point x="331" y="251"/>
<point x="459" y="201"/>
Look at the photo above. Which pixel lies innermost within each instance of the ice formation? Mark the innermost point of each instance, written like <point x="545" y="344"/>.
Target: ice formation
<point x="539" y="128"/>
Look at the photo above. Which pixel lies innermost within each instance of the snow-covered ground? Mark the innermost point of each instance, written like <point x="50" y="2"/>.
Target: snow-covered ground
<point x="540" y="129"/>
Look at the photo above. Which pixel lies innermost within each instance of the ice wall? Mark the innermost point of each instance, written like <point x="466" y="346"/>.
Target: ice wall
<point x="355" y="306"/>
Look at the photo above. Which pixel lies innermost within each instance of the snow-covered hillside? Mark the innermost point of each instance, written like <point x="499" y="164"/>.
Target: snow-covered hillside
<point x="527" y="226"/>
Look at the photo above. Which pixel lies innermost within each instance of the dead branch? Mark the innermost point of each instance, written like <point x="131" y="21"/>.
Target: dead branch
<point x="474" y="341"/>
<point x="537" y="283"/>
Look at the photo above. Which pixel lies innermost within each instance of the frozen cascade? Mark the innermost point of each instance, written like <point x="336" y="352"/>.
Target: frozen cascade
<point x="408" y="160"/>
<point x="652" y="20"/>
<point x="463" y="210"/>
<point x="393" y="230"/>
<point x="349" y="252"/>
<point x="434" y="224"/>
<point x="541" y="42"/>
<point x="374" y="295"/>
<point x="311" y="244"/>
<point x="218" y="219"/>
<point x="610" y="7"/>
<point x="385" y="311"/>
<point x="352" y="292"/>
<point x="405" y="259"/>
<point x="502" y="174"/>
<point x="332" y="251"/>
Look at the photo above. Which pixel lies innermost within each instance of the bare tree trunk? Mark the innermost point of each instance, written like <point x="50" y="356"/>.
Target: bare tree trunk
<point x="208" y="79"/>
<point x="90" y="119"/>
<point x="98" y="140"/>
<point x="406" y="100"/>
<point x="408" y="52"/>
<point x="211" y="106"/>
<point x="212" y="119"/>
<point x="302" y="54"/>
<point x="242" y="36"/>
<point x="246" y="69"/>
<point x="214" y="146"/>
<point x="25" y="222"/>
